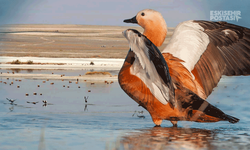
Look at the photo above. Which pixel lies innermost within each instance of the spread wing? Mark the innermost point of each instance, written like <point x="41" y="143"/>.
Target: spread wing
<point x="211" y="49"/>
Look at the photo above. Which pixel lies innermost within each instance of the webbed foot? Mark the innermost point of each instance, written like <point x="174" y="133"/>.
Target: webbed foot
<point x="157" y="126"/>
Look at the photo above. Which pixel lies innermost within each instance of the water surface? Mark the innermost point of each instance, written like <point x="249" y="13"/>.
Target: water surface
<point x="108" y="119"/>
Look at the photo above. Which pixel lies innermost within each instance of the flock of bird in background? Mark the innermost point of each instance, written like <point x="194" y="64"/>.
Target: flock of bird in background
<point x="45" y="102"/>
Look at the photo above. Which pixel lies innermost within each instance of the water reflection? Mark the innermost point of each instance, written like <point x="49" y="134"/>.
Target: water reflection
<point x="107" y="116"/>
<point x="16" y="70"/>
<point x="11" y="108"/>
<point x="29" y="70"/>
<point x="168" y="138"/>
<point x="86" y="107"/>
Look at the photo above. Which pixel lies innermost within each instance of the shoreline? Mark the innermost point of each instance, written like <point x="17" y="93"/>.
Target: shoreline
<point x="100" y="64"/>
<point x="65" y="63"/>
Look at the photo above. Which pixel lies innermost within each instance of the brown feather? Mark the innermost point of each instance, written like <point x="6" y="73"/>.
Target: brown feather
<point x="228" y="53"/>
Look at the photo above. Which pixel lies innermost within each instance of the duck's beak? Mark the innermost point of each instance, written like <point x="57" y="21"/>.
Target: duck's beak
<point x="132" y="20"/>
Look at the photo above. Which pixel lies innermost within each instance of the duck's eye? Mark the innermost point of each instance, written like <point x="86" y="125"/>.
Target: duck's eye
<point x="143" y="14"/>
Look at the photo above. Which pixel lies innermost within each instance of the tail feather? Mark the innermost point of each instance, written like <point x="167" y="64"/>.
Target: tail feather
<point x="231" y="119"/>
<point x="196" y="103"/>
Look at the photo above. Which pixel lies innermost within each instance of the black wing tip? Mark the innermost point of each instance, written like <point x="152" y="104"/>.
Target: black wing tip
<point x="232" y="119"/>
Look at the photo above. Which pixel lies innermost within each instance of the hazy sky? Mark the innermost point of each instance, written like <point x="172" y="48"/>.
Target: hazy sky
<point x="113" y="12"/>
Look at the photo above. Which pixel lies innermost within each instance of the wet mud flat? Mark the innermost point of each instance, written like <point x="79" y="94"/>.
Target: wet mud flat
<point x="99" y="115"/>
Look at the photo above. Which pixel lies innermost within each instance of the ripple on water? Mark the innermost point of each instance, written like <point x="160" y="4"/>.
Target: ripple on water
<point x="106" y="121"/>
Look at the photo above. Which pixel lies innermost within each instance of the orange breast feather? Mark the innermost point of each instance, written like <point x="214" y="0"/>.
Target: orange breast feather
<point x="139" y="92"/>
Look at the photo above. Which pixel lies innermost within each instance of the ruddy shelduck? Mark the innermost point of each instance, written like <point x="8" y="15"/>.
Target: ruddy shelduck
<point x="198" y="54"/>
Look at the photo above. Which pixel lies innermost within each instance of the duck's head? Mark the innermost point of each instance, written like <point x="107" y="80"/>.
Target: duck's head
<point x="155" y="28"/>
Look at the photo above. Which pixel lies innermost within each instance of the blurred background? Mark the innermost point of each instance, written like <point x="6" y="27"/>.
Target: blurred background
<point x="113" y="12"/>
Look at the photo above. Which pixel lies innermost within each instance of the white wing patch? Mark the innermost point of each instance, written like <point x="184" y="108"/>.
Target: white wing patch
<point x="188" y="43"/>
<point x="227" y="32"/>
<point x="144" y="68"/>
<point x="138" y="71"/>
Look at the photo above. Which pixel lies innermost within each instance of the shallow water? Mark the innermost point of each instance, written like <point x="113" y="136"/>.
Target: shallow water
<point x="107" y="120"/>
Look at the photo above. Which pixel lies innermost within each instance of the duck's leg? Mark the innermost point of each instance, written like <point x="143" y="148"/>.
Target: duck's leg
<point x="157" y="122"/>
<point x="174" y="123"/>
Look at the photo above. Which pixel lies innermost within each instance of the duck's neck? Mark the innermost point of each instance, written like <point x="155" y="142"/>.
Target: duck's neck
<point x="156" y="33"/>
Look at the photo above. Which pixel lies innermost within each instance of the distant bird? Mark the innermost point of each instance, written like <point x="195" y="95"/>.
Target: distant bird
<point x="140" y="112"/>
<point x="11" y="100"/>
<point x="32" y="102"/>
<point x="139" y="116"/>
<point x="45" y="103"/>
<point x="146" y="78"/>
<point x="86" y="99"/>
<point x="91" y="63"/>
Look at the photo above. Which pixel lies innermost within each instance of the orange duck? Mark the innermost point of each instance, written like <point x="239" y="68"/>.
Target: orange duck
<point x="174" y="84"/>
